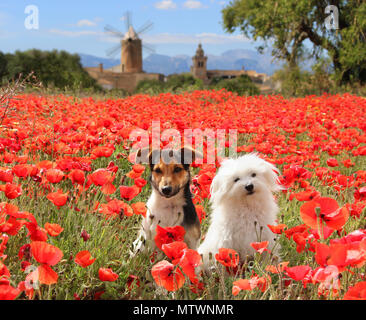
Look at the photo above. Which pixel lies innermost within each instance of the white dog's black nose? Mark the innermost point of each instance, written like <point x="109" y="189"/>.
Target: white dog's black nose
<point x="166" y="190"/>
<point x="249" y="187"/>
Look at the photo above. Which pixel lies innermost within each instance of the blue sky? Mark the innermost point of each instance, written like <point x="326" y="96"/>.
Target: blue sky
<point x="78" y="26"/>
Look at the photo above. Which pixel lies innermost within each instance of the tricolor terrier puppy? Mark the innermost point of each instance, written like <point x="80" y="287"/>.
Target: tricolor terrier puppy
<point x="242" y="203"/>
<point x="170" y="203"/>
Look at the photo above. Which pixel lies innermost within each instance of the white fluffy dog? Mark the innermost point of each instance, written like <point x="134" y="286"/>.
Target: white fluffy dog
<point x="242" y="202"/>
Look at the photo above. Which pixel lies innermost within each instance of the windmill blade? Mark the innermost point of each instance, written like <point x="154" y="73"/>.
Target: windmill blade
<point x="146" y="27"/>
<point x="149" y="48"/>
<point x="128" y="19"/>
<point x="111" y="30"/>
<point x="113" y="51"/>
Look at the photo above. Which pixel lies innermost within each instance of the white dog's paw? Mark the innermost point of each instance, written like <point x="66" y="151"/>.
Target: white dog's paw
<point x="137" y="246"/>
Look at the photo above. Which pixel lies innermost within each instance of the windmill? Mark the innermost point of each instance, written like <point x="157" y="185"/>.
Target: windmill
<point x="130" y="44"/>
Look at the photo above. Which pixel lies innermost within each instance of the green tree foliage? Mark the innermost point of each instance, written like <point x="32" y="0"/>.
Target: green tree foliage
<point x="286" y="25"/>
<point x="242" y="85"/>
<point x="3" y="66"/>
<point x="176" y="83"/>
<point x="52" y="68"/>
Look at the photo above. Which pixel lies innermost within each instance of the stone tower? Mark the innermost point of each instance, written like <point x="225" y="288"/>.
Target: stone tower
<point x="131" y="53"/>
<point x="199" y="68"/>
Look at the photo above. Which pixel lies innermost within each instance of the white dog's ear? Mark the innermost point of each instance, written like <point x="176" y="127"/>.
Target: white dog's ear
<point x="217" y="189"/>
<point x="271" y="175"/>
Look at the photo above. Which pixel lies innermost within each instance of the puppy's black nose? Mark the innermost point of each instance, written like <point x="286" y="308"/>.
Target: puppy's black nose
<point x="166" y="190"/>
<point x="249" y="187"/>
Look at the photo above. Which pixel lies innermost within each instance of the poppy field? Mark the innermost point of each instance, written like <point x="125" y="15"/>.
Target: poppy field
<point x="71" y="198"/>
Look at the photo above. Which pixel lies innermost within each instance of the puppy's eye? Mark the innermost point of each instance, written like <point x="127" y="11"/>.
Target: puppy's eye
<point x="158" y="170"/>
<point x="177" y="169"/>
<point x="237" y="179"/>
<point x="254" y="175"/>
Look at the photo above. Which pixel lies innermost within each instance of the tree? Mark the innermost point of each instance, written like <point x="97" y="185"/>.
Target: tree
<point x="3" y="66"/>
<point x="53" y="68"/>
<point x="242" y="85"/>
<point x="288" y="25"/>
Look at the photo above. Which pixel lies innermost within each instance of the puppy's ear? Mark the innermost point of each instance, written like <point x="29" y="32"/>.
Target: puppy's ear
<point x="189" y="155"/>
<point x="271" y="176"/>
<point x="218" y="188"/>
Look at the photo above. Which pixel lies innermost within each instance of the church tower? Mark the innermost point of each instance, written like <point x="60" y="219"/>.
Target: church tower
<point x="199" y="68"/>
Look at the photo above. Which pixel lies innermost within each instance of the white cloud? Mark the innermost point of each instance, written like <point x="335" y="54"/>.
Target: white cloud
<point x="193" y="4"/>
<point x="86" y="23"/>
<point x="165" y="5"/>
<point x="67" y="33"/>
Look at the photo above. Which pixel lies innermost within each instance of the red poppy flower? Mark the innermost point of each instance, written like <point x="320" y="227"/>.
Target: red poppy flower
<point x="139" y="208"/>
<point x="54" y="175"/>
<point x="58" y="198"/>
<point x="106" y="274"/>
<point x="348" y="163"/>
<point x="138" y="168"/>
<point x="23" y="286"/>
<point x="21" y="170"/>
<point x="139" y="182"/>
<point x="45" y="253"/>
<point x="77" y="176"/>
<point x="298" y="273"/>
<point x="36" y="233"/>
<point x="44" y="274"/>
<point x="278" y="229"/>
<point x="108" y="188"/>
<point x="98" y="295"/>
<point x="279" y="268"/>
<point x="116" y="208"/>
<point x="200" y="212"/>
<point x="84" y="259"/>
<point x="12" y="191"/>
<point x="227" y="257"/>
<point x="189" y="261"/>
<point x="85" y="235"/>
<point x="101" y="176"/>
<point x="260" y="246"/>
<point x="53" y="229"/>
<point x="102" y="151"/>
<point x="4" y="274"/>
<point x="357" y="292"/>
<point x="174" y="250"/>
<point x="249" y="284"/>
<point x="129" y="193"/>
<point x="132" y="281"/>
<point x="6" y="175"/>
<point x="329" y="213"/>
<point x="167" y="276"/>
<point x="307" y="195"/>
<point x="133" y="175"/>
<point x="332" y="162"/>
<point x="242" y="284"/>
<point x="7" y="292"/>
<point x="168" y="235"/>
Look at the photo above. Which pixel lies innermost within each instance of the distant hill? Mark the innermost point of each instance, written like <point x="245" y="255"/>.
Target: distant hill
<point x="228" y="60"/>
<point x="93" y="61"/>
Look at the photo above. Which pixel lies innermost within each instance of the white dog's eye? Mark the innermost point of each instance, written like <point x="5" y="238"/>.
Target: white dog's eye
<point x="237" y="179"/>
<point x="254" y="174"/>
